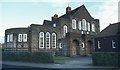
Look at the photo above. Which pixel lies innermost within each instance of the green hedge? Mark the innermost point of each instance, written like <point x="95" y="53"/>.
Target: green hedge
<point x="40" y="57"/>
<point x="106" y="59"/>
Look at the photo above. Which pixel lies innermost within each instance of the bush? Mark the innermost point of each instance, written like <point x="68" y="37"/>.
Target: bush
<point x="44" y="57"/>
<point x="105" y="58"/>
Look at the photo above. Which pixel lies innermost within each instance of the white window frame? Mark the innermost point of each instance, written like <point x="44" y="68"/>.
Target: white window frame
<point x="60" y="45"/>
<point x="82" y="32"/>
<point x="24" y="37"/>
<point x="20" y="38"/>
<point x="74" y="24"/>
<point x="88" y="26"/>
<point x="83" y="45"/>
<point x="80" y="25"/>
<point x="48" y="38"/>
<point x="99" y="45"/>
<point x="41" y="35"/>
<point x="11" y="37"/>
<point x="84" y="24"/>
<point x="113" y="44"/>
<point x="54" y="25"/>
<point x="65" y="30"/>
<point x="8" y="38"/>
<point x="93" y="27"/>
<point x="53" y="40"/>
<point x="88" y="33"/>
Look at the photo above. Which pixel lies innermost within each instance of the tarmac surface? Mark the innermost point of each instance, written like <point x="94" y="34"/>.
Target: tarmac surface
<point x="76" y="63"/>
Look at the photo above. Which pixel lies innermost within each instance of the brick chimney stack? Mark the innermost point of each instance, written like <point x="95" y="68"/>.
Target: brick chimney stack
<point x="54" y="17"/>
<point x="68" y="9"/>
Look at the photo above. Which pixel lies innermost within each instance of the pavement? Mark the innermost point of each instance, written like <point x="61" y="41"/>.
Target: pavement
<point x="75" y="62"/>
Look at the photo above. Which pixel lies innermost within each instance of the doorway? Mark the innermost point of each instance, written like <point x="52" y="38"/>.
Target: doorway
<point x="74" y="48"/>
<point x="90" y="49"/>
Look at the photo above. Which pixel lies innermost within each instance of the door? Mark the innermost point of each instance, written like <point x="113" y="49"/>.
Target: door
<point x="74" y="48"/>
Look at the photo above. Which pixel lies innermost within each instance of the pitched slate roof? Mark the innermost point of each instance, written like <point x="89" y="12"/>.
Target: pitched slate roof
<point x="82" y="11"/>
<point x="47" y="22"/>
<point x="111" y="30"/>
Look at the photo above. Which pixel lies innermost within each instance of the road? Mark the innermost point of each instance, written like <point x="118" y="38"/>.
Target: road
<point x="83" y="63"/>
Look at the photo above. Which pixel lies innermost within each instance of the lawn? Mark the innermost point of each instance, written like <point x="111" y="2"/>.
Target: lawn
<point x="60" y="59"/>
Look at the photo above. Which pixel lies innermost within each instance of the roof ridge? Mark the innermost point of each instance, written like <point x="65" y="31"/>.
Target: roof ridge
<point x="70" y="11"/>
<point x="110" y="30"/>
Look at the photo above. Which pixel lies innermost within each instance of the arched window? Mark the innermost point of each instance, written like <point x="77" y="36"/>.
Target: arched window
<point x="54" y="25"/>
<point x="93" y="27"/>
<point x="53" y="40"/>
<point x="65" y="30"/>
<point x="47" y="40"/>
<point x="60" y="45"/>
<point x="73" y="23"/>
<point x="88" y="25"/>
<point x="24" y="37"/>
<point x="11" y="37"/>
<point x="84" y="24"/>
<point x="82" y="32"/>
<point x="20" y="37"/>
<point x="41" y="40"/>
<point x="79" y="26"/>
<point x="99" y="45"/>
<point x="8" y="38"/>
<point x="83" y="45"/>
<point x="113" y="44"/>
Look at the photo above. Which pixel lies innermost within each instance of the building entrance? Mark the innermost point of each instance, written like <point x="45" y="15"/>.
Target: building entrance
<point x="74" y="48"/>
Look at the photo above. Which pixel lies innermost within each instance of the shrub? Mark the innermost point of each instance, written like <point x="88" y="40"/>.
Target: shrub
<point x="44" y="57"/>
<point x="105" y="58"/>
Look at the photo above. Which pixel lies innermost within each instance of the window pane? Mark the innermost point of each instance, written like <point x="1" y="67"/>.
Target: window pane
<point x="88" y="26"/>
<point x="41" y="34"/>
<point x="60" y="45"/>
<point x="41" y="40"/>
<point x="11" y="37"/>
<point x="83" y="45"/>
<point x="8" y="38"/>
<point x="54" y="25"/>
<point x="84" y="25"/>
<point x="99" y="45"/>
<point x="24" y="37"/>
<point x="65" y="30"/>
<point x="73" y="23"/>
<point x="82" y="32"/>
<point x="79" y="25"/>
<point x="48" y="40"/>
<point x="113" y="44"/>
<point x="87" y="32"/>
<point x="93" y="27"/>
<point x="53" y="40"/>
<point x="19" y="37"/>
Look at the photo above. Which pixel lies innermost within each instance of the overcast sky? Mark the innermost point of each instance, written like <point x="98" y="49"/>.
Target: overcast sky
<point x="22" y="13"/>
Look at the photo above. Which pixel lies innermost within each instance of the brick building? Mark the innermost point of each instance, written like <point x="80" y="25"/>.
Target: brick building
<point x="70" y="34"/>
<point x="108" y="39"/>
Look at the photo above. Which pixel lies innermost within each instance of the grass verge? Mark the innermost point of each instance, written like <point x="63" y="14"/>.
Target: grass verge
<point x="60" y="59"/>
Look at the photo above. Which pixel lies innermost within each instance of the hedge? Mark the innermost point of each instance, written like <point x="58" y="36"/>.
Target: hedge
<point x="40" y="57"/>
<point x="106" y="59"/>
